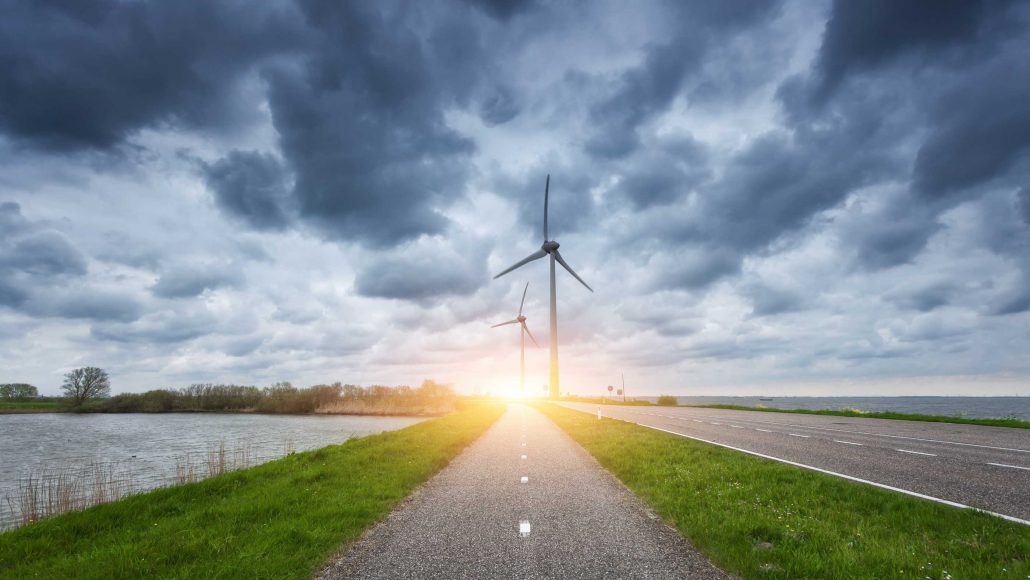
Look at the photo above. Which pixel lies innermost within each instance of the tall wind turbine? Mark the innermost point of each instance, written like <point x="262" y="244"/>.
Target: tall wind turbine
<point x="550" y="248"/>
<point x="520" y="319"/>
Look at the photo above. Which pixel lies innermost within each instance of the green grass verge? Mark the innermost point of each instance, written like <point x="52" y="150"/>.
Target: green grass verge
<point x="31" y="406"/>
<point x="762" y="519"/>
<point x="283" y="519"/>
<point x="1017" y="423"/>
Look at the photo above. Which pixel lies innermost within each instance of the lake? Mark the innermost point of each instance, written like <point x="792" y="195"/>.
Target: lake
<point x="973" y="407"/>
<point x="146" y="448"/>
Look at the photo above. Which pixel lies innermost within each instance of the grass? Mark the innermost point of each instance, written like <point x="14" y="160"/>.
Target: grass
<point x="31" y="406"/>
<point x="1009" y="422"/>
<point x="283" y="519"/>
<point x="761" y="519"/>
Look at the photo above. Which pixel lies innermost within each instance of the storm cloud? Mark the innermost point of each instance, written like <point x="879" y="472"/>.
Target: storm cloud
<point x="304" y="189"/>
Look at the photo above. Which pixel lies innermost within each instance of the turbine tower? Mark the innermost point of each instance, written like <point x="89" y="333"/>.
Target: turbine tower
<point x="550" y="248"/>
<point x="520" y="319"/>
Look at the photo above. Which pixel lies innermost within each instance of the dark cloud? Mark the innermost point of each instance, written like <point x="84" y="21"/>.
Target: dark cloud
<point x="423" y="271"/>
<point x="499" y="107"/>
<point x="1023" y="204"/>
<point x="503" y="9"/>
<point x="923" y="299"/>
<point x="977" y="135"/>
<point x="767" y="300"/>
<point x="11" y="295"/>
<point x="191" y="281"/>
<point x="666" y="173"/>
<point x="863" y="36"/>
<point x="163" y="327"/>
<point x="251" y="186"/>
<point x="362" y="125"/>
<point x="89" y="74"/>
<point x="648" y="89"/>
<point x="891" y="234"/>
<point x="46" y="253"/>
<point x="95" y="305"/>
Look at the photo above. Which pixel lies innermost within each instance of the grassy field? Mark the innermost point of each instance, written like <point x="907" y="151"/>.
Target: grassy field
<point x="32" y="406"/>
<point x="283" y="519"/>
<point x="762" y="519"/>
<point x="1017" y="423"/>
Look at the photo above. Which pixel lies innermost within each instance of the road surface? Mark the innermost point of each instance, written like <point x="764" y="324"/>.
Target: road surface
<point x="524" y="501"/>
<point x="983" y="467"/>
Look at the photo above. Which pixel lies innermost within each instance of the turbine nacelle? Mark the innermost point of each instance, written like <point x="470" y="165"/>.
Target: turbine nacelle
<point x="550" y="246"/>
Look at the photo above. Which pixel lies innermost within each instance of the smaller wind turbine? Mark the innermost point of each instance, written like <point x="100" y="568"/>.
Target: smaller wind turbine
<point x="520" y="319"/>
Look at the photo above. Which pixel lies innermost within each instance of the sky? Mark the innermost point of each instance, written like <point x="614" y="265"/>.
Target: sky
<point x="768" y="197"/>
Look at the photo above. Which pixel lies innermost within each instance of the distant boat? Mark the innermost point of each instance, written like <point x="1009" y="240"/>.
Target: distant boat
<point x="765" y="398"/>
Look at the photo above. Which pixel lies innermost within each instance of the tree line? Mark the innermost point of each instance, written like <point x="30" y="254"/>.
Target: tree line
<point x="88" y="389"/>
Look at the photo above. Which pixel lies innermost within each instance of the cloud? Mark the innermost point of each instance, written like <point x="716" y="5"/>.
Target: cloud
<point x="860" y="38"/>
<point x="380" y="176"/>
<point x="424" y="270"/>
<point x="90" y="74"/>
<point x="251" y="186"/>
<point x="649" y="88"/>
<point x="45" y="253"/>
<point x="193" y="280"/>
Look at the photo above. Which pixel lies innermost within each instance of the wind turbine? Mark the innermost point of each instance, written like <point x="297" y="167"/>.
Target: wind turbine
<point x="550" y="248"/>
<point x="520" y="319"/>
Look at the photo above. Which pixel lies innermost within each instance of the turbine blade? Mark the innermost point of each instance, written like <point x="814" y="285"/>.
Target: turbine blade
<point x="547" y="191"/>
<point x="558" y="257"/>
<point x="534" y="256"/>
<point x="526" y="328"/>
<point x="516" y="321"/>
<point x="523" y="299"/>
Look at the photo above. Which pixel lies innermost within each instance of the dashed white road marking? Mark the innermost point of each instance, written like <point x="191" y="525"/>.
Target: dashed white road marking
<point x="736" y="426"/>
<point x="697" y="420"/>
<point x="523" y="528"/>
<point x="916" y="452"/>
<point x="523" y="456"/>
<point x="763" y="430"/>
<point x="1007" y="465"/>
<point x="525" y="479"/>
<point x="844" y="476"/>
<point x="684" y="418"/>
<point x="523" y="443"/>
<point x="797" y="435"/>
<point x="849" y="443"/>
<point x="714" y="423"/>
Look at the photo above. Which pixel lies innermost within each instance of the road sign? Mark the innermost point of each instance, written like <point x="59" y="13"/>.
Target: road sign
<point x="619" y="392"/>
<point x="610" y="388"/>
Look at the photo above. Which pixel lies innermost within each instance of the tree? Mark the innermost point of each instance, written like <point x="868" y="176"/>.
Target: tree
<point x="86" y="383"/>
<point x="18" y="392"/>
<point x="667" y="401"/>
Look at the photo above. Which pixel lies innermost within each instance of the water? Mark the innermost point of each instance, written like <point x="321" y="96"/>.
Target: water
<point x="972" y="407"/>
<point x="146" y="446"/>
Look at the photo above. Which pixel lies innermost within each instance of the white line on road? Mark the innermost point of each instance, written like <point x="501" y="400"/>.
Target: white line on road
<point x="523" y="443"/>
<point x="916" y="452"/>
<point x="523" y="528"/>
<point x="697" y="420"/>
<point x="848" y="442"/>
<point x="716" y="423"/>
<point x="882" y="435"/>
<point x="523" y="456"/>
<point x="525" y="479"/>
<point x="796" y="435"/>
<point x="1007" y="465"/>
<point x="763" y="430"/>
<point x="844" y="476"/>
<point x="736" y="426"/>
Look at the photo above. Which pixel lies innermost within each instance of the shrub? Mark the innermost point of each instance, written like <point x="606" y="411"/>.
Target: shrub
<point x="667" y="401"/>
<point x="18" y="392"/>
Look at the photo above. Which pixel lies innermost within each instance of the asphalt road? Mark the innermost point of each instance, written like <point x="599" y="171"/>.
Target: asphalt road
<point x="983" y="467"/>
<point x="478" y="518"/>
